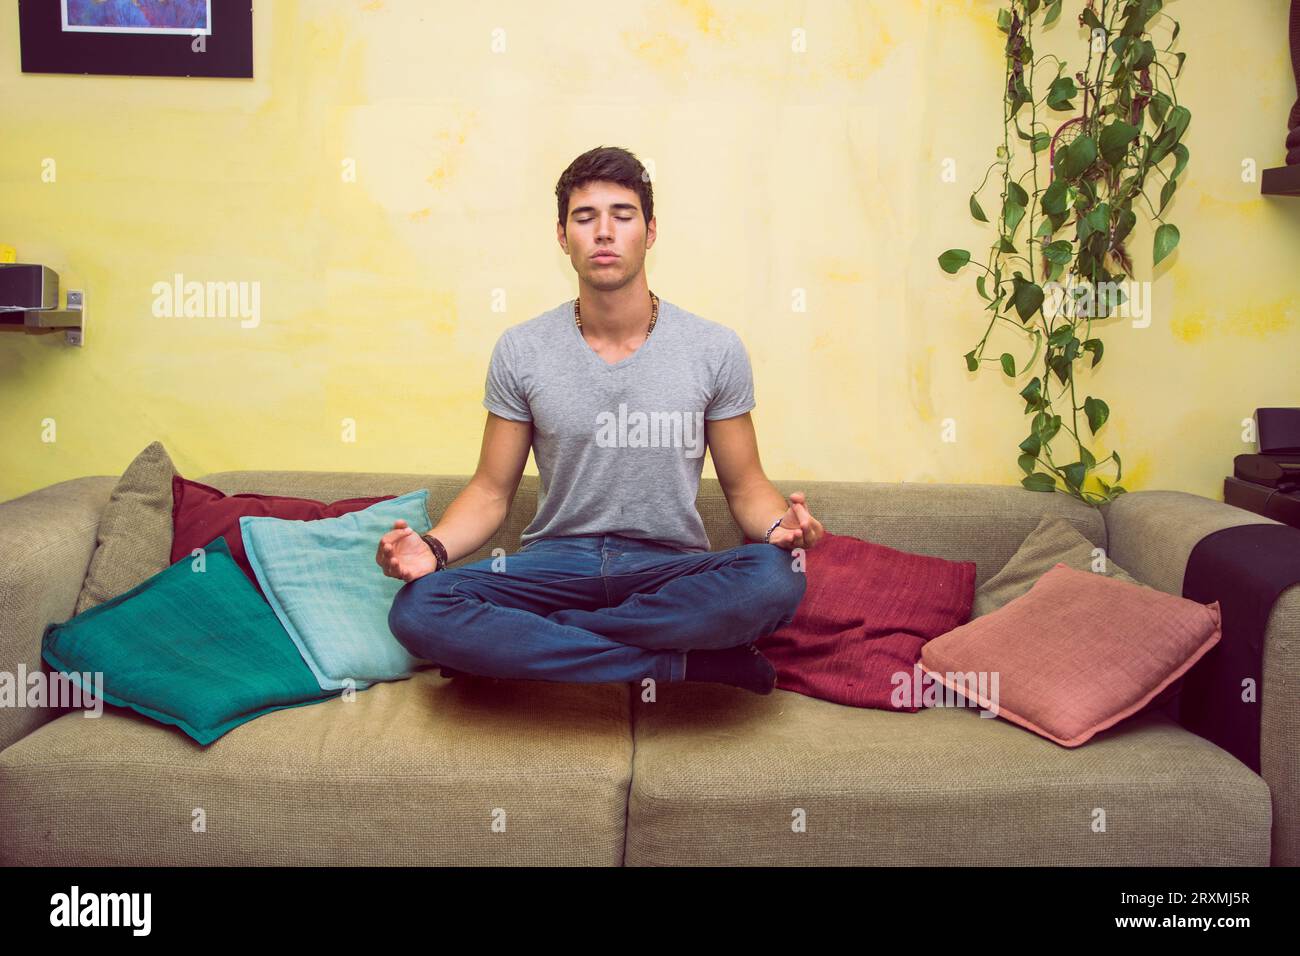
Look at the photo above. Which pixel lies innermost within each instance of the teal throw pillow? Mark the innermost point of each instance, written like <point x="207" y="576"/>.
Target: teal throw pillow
<point x="194" y="646"/>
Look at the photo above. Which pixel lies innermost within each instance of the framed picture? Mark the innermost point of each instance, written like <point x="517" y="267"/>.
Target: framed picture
<point x="137" y="37"/>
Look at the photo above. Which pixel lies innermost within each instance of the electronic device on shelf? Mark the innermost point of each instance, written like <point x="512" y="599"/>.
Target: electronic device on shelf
<point x="1272" y="471"/>
<point x="1277" y="464"/>
<point x="1268" y="481"/>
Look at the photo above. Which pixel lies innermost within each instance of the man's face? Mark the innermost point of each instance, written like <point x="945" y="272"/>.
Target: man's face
<point x="606" y="237"/>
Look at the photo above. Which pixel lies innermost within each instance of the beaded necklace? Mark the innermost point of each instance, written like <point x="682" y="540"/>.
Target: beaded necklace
<point x="654" y="313"/>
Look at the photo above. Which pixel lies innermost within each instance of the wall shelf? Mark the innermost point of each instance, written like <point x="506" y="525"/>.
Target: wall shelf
<point x="29" y="303"/>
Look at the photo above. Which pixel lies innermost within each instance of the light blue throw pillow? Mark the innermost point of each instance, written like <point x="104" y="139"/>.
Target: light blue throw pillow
<point x="323" y="583"/>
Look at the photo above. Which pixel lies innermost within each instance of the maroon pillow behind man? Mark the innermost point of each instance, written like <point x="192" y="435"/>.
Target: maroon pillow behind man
<point x="867" y="612"/>
<point x="201" y="513"/>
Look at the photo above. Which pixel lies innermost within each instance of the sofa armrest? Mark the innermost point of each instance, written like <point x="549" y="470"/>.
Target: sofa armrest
<point x="1151" y="534"/>
<point x="47" y="539"/>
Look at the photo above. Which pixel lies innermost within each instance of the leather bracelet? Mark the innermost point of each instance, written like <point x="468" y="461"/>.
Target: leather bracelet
<point x="767" y="538"/>
<point x="439" y="552"/>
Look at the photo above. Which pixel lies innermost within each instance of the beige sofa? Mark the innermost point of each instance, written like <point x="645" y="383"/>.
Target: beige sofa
<point x="476" y="771"/>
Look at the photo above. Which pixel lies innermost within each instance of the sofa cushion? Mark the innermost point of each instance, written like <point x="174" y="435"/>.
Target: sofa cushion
<point x="135" y="530"/>
<point x="1054" y="541"/>
<point x="723" y="777"/>
<point x="424" y="771"/>
<point x="201" y="512"/>
<point x="864" y="617"/>
<point x="1077" y="654"/>
<point x="331" y="595"/>
<point x="194" y="647"/>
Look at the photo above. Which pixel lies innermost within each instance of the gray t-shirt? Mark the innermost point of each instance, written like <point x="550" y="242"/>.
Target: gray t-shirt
<point x="619" y="448"/>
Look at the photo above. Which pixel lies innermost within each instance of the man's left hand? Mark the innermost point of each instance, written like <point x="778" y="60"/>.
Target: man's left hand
<point x="798" y="528"/>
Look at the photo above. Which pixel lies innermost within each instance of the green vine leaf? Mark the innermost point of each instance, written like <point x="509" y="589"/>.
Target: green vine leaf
<point x="1061" y="251"/>
<point x="1074" y="474"/>
<point x="972" y="364"/>
<point x="1053" y="11"/>
<point x="1054" y="197"/>
<point x="1009" y="364"/>
<point x="1115" y="139"/>
<point x="1039" y="481"/>
<point x="1127" y="220"/>
<point x="976" y="211"/>
<point x="1060" y="336"/>
<point x="1097" y="412"/>
<point x="1094" y="346"/>
<point x="1027" y="297"/>
<point x="1098" y="218"/>
<point x="1038" y="347"/>
<point x="1144" y="52"/>
<point x="1031" y="392"/>
<point x="1182" y="155"/>
<point x="1051" y="428"/>
<point x="953" y="260"/>
<point x="1138" y="15"/>
<point x="1061" y="93"/>
<point x="1076" y="157"/>
<point x="1012" y="213"/>
<point x="1166" y="240"/>
<point x="1180" y="117"/>
<point x="1019" y="96"/>
<point x="1027" y="463"/>
<point x="1167" y="193"/>
<point x="1159" y="105"/>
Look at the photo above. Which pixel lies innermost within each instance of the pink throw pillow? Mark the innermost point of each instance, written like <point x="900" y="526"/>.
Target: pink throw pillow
<point x="1077" y="654"/>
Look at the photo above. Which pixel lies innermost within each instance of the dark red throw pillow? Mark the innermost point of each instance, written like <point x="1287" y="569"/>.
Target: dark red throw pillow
<point x="201" y="513"/>
<point x="867" y="612"/>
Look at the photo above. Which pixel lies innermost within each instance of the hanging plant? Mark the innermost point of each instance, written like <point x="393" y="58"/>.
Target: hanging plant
<point x="1068" y="209"/>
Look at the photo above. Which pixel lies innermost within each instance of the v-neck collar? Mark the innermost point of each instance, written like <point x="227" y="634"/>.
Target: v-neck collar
<point x="622" y="363"/>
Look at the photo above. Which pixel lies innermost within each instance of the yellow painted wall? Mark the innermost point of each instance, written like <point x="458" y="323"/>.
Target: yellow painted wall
<point x="774" y="171"/>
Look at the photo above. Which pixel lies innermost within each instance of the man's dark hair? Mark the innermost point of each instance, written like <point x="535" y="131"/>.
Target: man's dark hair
<point x="608" y="164"/>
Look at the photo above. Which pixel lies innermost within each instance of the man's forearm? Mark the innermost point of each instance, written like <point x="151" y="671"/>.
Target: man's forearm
<point x="469" y="521"/>
<point x="756" y="506"/>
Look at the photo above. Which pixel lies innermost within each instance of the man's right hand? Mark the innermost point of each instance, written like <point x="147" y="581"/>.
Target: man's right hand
<point x="403" y="555"/>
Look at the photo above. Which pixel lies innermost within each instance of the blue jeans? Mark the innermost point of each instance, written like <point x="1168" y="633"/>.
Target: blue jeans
<point x="592" y="608"/>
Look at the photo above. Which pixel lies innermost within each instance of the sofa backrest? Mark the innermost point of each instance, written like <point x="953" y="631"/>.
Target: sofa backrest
<point x="961" y="522"/>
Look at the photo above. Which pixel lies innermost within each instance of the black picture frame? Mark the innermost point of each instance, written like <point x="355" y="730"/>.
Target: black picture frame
<point x="47" y="48"/>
